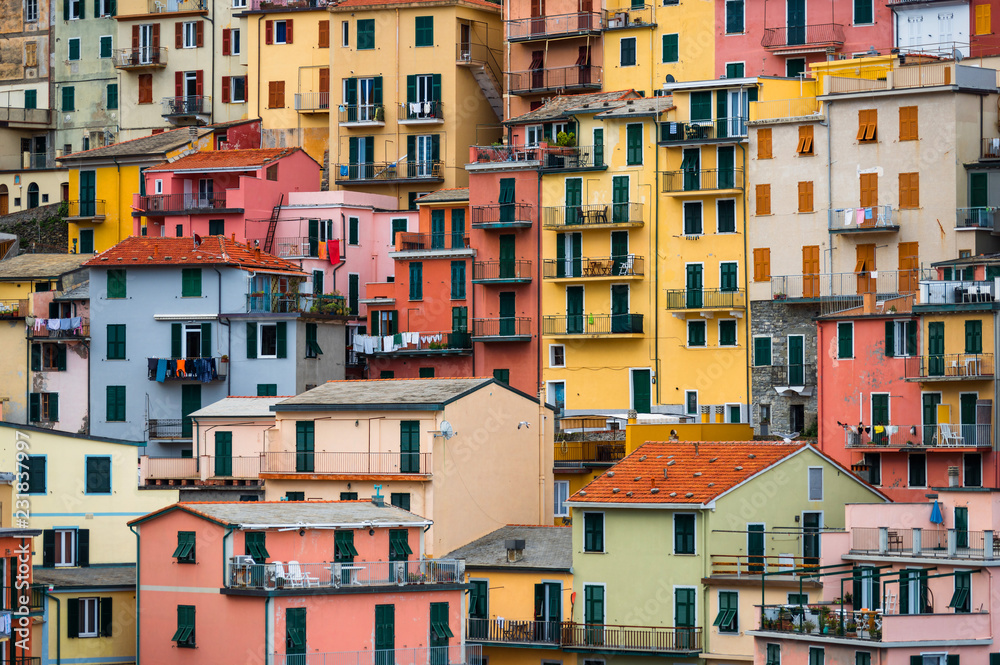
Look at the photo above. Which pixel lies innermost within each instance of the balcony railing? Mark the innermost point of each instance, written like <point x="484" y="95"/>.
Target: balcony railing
<point x="941" y="435"/>
<point x="934" y="543"/>
<point x="873" y="218"/>
<point x="181" y="204"/>
<point x="628" y="16"/>
<point x="288" y="303"/>
<point x="187" y="369"/>
<point x="410" y="242"/>
<point x="169" y="428"/>
<point x="849" y="285"/>
<point x="420" y="112"/>
<point x="705" y="299"/>
<point x="612" y="266"/>
<point x="585" y="636"/>
<point x="514" y="631"/>
<point x="27" y="161"/>
<point x="592" y="324"/>
<point x="85" y="209"/>
<point x="703" y="130"/>
<point x="65" y="328"/>
<point x="350" y="463"/>
<point x="390" y="171"/>
<point x="186" y="105"/>
<point x="990" y="149"/>
<point x="789" y="375"/>
<point x="950" y="366"/>
<point x="502" y="215"/>
<point x="169" y="468"/>
<point x="363" y="114"/>
<point x="506" y="155"/>
<point x="346" y="574"/>
<point x="976" y="218"/>
<point x="702" y="180"/>
<point x="823" y="621"/>
<point x="501" y="329"/>
<point x="743" y="565"/>
<point x="13" y="309"/>
<point x="958" y="292"/>
<point x="776" y="109"/>
<point x="574" y="77"/>
<point x="501" y="271"/>
<point x="312" y="102"/>
<point x="560" y="25"/>
<point x="598" y="214"/>
<point x="566" y="158"/>
<point x="457" y="654"/>
<point x="293" y="246"/>
<point x="256" y="5"/>
<point x="803" y="35"/>
<point x="140" y="58"/>
<point x="596" y="452"/>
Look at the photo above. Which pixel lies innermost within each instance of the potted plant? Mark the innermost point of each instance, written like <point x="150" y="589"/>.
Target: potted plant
<point x="566" y="139"/>
<point x="809" y="626"/>
<point x="224" y="359"/>
<point x="778" y="296"/>
<point x="851" y="628"/>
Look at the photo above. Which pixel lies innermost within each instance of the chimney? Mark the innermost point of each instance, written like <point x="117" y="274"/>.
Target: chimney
<point x="256" y="252"/>
<point x="378" y="500"/>
<point x="868" y="303"/>
<point x="515" y="550"/>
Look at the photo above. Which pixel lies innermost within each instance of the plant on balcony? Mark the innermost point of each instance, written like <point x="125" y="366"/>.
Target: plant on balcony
<point x="851" y="628"/>
<point x="810" y="627"/>
<point x="779" y="296"/>
<point x="566" y="139"/>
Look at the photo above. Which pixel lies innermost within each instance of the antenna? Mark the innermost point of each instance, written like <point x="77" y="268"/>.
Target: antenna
<point x="446" y="431"/>
<point x="957" y="55"/>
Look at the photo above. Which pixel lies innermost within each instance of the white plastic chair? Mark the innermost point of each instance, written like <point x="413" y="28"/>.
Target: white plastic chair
<point x="298" y="577"/>
<point x="279" y="574"/>
<point x="949" y="437"/>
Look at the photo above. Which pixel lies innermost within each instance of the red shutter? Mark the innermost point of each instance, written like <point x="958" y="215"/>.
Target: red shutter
<point x="225" y="42"/>
<point x="198" y="83"/>
<point x="225" y="89"/>
<point x="178" y="84"/>
<point x="268" y="32"/>
<point x="156" y="35"/>
<point x="288" y="31"/>
<point x="135" y="36"/>
<point x="145" y="88"/>
<point x="178" y="35"/>
<point x="200" y="34"/>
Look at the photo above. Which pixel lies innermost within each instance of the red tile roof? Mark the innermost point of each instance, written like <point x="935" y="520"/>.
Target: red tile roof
<point x="696" y="472"/>
<point x="225" y="159"/>
<point x="214" y="250"/>
<point x="374" y="3"/>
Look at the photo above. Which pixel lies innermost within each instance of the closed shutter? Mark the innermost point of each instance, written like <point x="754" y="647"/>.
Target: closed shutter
<point x="251" y="340"/>
<point x="761" y="264"/>
<point x="634" y="144"/>
<point x="324" y="34"/>
<point x="761" y="351"/>
<point x="178" y="36"/>
<point x="206" y="340"/>
<point x="670" y="48"/>
<point x="268" y="32"/>
<point x="845" y="340"/>
<point x="763" y="198"/>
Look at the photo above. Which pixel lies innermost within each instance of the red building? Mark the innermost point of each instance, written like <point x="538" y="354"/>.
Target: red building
<point x="21" y="601"/>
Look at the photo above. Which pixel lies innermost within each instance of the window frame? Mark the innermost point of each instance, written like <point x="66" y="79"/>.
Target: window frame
<point x="283" y="24"/>
<point x="89" y="617"/>
<point x="260" y="339"/>
<point x="87" y="472"/>
<point x="736" y="333"/>
<point x="810" y="487"/>
<point x="703" y="342"/>
<point x="693" y="535"/>
<point x="74" y="545"/>
<point x="622" y="52"/>
<point x="189" y="34"/>
<point x="560" y="493"/>
<point x="554" y="350"/>
<point x="732" y="627"/>
<point x="234" y="42"/>
<point x="602" y="530"/>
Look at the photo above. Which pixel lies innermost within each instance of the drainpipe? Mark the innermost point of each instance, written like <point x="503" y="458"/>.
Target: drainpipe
<point x="829" y="175"/>
<point x="229" y="335"/>
<point x="541" y="457"/>
<point x="118" y="197"/>
<point x="538" y="304"/>
<point x="138" y="595"/>
<point x="267" y="623"/>
<point x="212" y="108"/>
<point x="45" y="592"/>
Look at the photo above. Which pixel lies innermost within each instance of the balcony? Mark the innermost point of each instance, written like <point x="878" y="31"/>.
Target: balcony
<point x="803" y="38"/>
<point x="505" y="157"/>
<point x="574" y="77"/>
<point x="85" y="210"/>
<point x="990" y="149"/>
<point x="743" y="565"/>
<point x="502" y="329"/>
<point x="501" y="272"/>
<point x="612" y="267"/>
<point x="296" y="303"/>
<point x="577" y="453"/>
<point x="186" y="107"/>
<point x="378" y="173"/>
<point x="873" y="219"/>
<point x="549" y="27"/>
<point x="346" y="463"/>
<point x="701" y="131"/>
<point x="169" y="428"/>
<point x="432" y="246"/>
<point x="565" y="158"/>
<point x="930" y="543"/>
<point x="17" y="116"/>
<point x="258" y="5"/>
<point x="594" y="638"/>
<point x="629" y="16"/>
<point x="594" y="216"/>
<point x="160" y="471"/>
<point x="502" y="216"/>
<point x="950" y="367"/>
<point x="293" y="247"/>
<point x="26" y="161"/>
<point x="788" y="377"/>
<point x="592" y="325"/>
<point x="457" y="654"/>
<point x="163" y="6"/>
<point x="846" y="288"/>
<point x="337" y="575"/>
<point x="155" y="470"/>
<point x="705" y="299"/>
<point x="364" y="115"/>
<point x="420" y="113"/>
<point x="13" y="309"/>
<point x="958" y="294"/>
<point x="939" y="436"/>
<point x="135" y="59"/>
<point x="699" y="181"/>
<point x="159" y="205"/>
<point x="439" y="343"/>
<point x="313" y="102"/>
<point x="187" y="369"/>
<point x="784" y="109"/>
<point x="65" y="329"/>
<point x="976" y="218"/>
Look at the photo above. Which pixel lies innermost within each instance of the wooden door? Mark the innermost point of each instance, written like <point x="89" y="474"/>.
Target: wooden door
<point x="909" y="274"/>
<point x="865" y="254"/>
<point x="810" y="271"/>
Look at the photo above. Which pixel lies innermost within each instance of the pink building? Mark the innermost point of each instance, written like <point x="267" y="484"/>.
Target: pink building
<point x="781" y="37"/>
<point x="318" y="582"/>
<point x="904" y="583"/>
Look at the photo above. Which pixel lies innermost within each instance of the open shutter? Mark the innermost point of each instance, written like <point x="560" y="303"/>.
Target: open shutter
<point x="411" y="88"/>
<point x="178" y="84"/>
<point x="135" y="36"/>
<point x="83" y="547"/>
<point x="175" y="339"/>
<point x="178" y="36"/>
<point x="34" y="407"/>
<point x="53" y="407"/>
<point x="105" y="612"/>
<point x="225" y="90"/>
<point x="156" y="38"/>
<point x="377" y="90"/>
<point x="226" y="41"/>
<point x="65" y="10"/>
<point x="199" y="82"/>
<point x="411" y="148"/>
<point x="268" y="32"/>
<point x="48" y="548"/>
<point x="288" y="31"/>
<point x="36" y="357"/>
<point x="251" y="340"/>
<point x="282" y="341"/>
<point x="436" y="147"/>
<point x="911" y="338"/>
<point x="436" y="87"/>
<point x="61" y="357"/>
<point x="206" y="340"/>
<point x="199" y="34"/>
<point x="890" y="338"/>
<point x="73" y="617"/>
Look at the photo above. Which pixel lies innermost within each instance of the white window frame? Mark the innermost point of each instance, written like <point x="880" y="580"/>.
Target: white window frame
<point x="89" y="616"/>
<point x="79" y="49"/>
<point x="687" y="329"/>
<point x="553" y="349"/>
<point x="158" y="186"/>
<point x="194" y="327"/>
<point x="725" y="19"/>
<point x="673" y="533"/>
<point x="103" y="8"/>
<point x="234" y="42"/>
<point x="697" y="403"/>
<point x="560" y="494"/>
<point x="232" y="96"/>
<point x="260" y="340"/>
<point x="284" y="28"/>
<point x="851" y="324"/>
<point x="61" y="535"/>
<point x="345" y="34"/>
<point x="899" y="337"/>
<point x="736" y="343"/>
<point x="534" y="135"/>
<point x="725" y="66"/>
<point x="30" y="11"/>
<point x="673" y="598"/>
<point x="239" y="4"/>
<point x="190" y="31"/>
<point x="735" y="230"/>
<point x="101" y="39"/>
<point x="728" y="406"/>
<point x="75" y="7"/>
<point x="809" y="483"/>
<point x="550" y="392"/>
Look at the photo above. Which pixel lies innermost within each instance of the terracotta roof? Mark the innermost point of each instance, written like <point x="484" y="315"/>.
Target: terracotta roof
<point x="696" y="472"/>
<point x="651" y="106"/>
<point x="563" y="105"/>
<point x="214" y="250"/>
<point x="224" y="159"/>
<point x="347" y="4"/>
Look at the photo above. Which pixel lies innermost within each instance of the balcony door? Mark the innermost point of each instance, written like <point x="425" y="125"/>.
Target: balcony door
<point x="796" y="22"/>
<point x="223" y="453"/>
<point x="423" y="96"/>
<point x="619" y="199"/>
<point x="811" y="524"/>
<point x="684" y="617"/>
<point x="880" y="417"/>
<point x="620" y="319"/>
<point x="385" y="634"/>
<point x="694" y="284"/>
<point x="935" y="348"/>
<point x="206" y="191"/>
<point x="962" y="527"/>
<point x="738" y="103"/>
<point x="145" y="46"/>
<point x="726" y="161"/>
<point x="641" y="392"/>
<point x="569" y="251"/>
<point x="548" y="611"/>
<point x="691" y="166"/>
<point x="810" y="271"/>
<point x="409" y="446"/>
<point x="295" y="636"/>
<point x="190" y="402"/>
<point x="537" y="17"/>
<point x="574" y="309"/>
<point x="755" y="549"/>
<point x="912" y="591"/>
<point x="508" y="312"/>
<point x="190" y="90"/>
<point x="425" y="155"/>
<point x="508" y="261"/>
<point x="930" y="402"/>
<point x="593" y="613"/>
<point x="796" y="360"/>
<point x="967" y="417"/>
<point x="88" y="193"/>
<point x="619" y="253"/>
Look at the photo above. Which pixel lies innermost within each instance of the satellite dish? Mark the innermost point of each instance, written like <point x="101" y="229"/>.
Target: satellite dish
<point x="957" y="55"/>
<point x="670" y="78"/>
<point x="447" y="431"/>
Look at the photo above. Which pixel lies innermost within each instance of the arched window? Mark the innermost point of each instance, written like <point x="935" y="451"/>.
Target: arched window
<point x="33" y="195"/>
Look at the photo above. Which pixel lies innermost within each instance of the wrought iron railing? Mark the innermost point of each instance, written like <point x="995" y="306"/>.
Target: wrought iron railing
<point x="612" y="266"/>
<point x="574" y="77"/>
<point x="420" y="112"/>
<point x="502" y="214"/>
<point x="153" y="204"/>
<point x="592" y="324"/>
<point x="362" y="113"/>
<point x="406" y="242"/>
<point x="546" y="27"/>
<point x="970" y="366"/>
<point x="361" y="463"/>
<point x="516" y="270"/>
<point x="505" y="326"/>
<point x="403" y="170"/>
<point x="186" y="105"/>
<point x="803" y="35"/>
<point x="701" y="180"/>
<point x="143" y="56"/>
<point x="312" y="101"/>
<point x="592" y="214"/>
<point x="705" y="298"/>
<point x="85" y="208"/>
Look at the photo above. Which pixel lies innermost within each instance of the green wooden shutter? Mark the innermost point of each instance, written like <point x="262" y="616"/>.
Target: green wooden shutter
<point x="106" y="614"/>
<point x="65" y="10"/>
<point x="385" y="633"/>
<point x="73" y="617"/>
<point x="845" y="340"/>
<point x="911" y="338"/>
<point x="599" y="147"/>
<point x="206" y="340"/>
<point x="295" y="632"/>
<point x="890" y="338"/>
<point x="223" y="453"/>
<point x="761" y="351"/>
<point x="593" y="532"/>
<point x="190" y="282"/>
<point x="701" y="106"/>
<point x="411" y="88"/>
<point x="670" y="48"/>
<point x="176" y="330"/>
<point x="377" y="91"/>
<point x="633" y="151"/>
<point x="436" y="87"/>
<point x="34" y="407"/>
<point x="281" y="330"/>
<point x="36" y="357"/>
<point x="436" y="148"/>
<point x="53" y="407"/>
<point x="457" y="280"/>
<point x="416" y="280"/>
<point x="409" y="446"/>
<point x="593" y="604"/>
<point x="251" y="340"/>
<point x="973" y="336"/>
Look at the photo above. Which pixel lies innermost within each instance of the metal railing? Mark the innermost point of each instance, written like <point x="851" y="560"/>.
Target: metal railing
<point x="555" y="78"/>
<point x="884" y="283"/>
<point x="502" y="214"/>
<point x="776" y="109"/>
<point x="628" y="16"/>
<point x="701" y="180"/>
<point x="184" y="203"/>
<point x="958" y="366"/>
<point x="990" y="149"/>
<point x="457" y="654"/>
<point x="85" y="208"/>
<point x="361" y="114"/>
<point x="502" y="271"/>
<point x="169" y="468"/>
<point x="592" y="214"/>
<point x="599" y="637"/>
<point x="592" y="324"/>
<point x="612" y="266"/>
<point x="789" y="375"/>
<point x="39" y="331"/>
<point x="506" y="154"/>
<point x="822" y="620"/>
<point x="803" y="35"/>
<point x="940" y="435"/>
<point x="403" y="170"/>
<point x="871" y="218"/>
<point x="408" y="242"/>
<point x="284" y="303"/>
<point x="361" y="463"/>
<point x="976" y="218"/>
<point x="705" y="299"/>
<point x="514" y="631"/>
<point x="933" y="543"/>
<point x="186" y="105"/>
<point x="161" y="6"/>
<point x="143" y="56"/>
<point x="168" y="428"/>
<point x="502" y="327"/>
<point x="478" y="54"/>
<point x="740" y="565"/>
<point x="421" y="112"/>
<point x="13" y="309"/>
<point x="343" y="574"/>
<point x="559" y="158"/>
<point x="241" y="467"/>
<point x="187" y="369"/>
<point x="954" y="292"/>
<point x="700" y="130"/>
<point x="312" y="101"/>
<point x="577" y="452"/>
<point x="293" y="246"/>
<point x="545" y="27"/>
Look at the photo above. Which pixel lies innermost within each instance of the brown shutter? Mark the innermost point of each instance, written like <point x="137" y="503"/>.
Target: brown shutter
<point x="200" y="34"/>
<point x="135" y="36"/>
<point x="324" y="34"/>
<point x="268" y="32"/>
<point x="145" y="88"/>
<point x="178" y="84"/>
<point x="763" y="199"/>
<point x="199" y="83"/>
<point x="156" y="37"/>
<point x="178" y="35"/>
<point x="764" y="143"/>
<point x="225" y="89"/>
<point x="288" y="31"/>
<point x="226" y="42"/>
<point x="279" y="95"/>
<point x="869" y="190"/>
<point x="324" y="80"/>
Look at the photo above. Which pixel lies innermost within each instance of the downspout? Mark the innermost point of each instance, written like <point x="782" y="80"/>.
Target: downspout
<point x="829" y="177"/>
<point x="340" y="262"/>
<point x="541" y="457"/>
<point x="138" y="595"/>
<point x="746" y="283"/>
<point x="45" y="591"/>
<point x="210" y="20"/>
<point x="258" y="83"/>
<point x="118" y="197"/>
<point x="267" y="628"/>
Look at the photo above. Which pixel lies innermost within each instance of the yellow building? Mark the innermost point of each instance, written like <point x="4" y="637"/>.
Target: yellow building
<point x="416" y="84"/>
<point x="521" y="594"/>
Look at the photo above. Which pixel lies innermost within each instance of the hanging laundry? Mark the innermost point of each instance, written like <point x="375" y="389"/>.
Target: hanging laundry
<point x="53" y="324"/>
<point x="40" y="324"/>
<point x="161" y="370"/>
<point x="860" y="216"/>
<point x="76" y="323"/>
<point x="868" y="213"/>
<point x="848" y="217"/>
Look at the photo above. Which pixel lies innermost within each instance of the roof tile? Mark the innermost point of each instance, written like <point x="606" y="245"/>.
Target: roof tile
<point x="221" y="159"/>
<point x="214" y="250"/>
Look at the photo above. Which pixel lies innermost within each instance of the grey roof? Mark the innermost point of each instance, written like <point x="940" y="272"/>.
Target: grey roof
<point x="250" y="514"/>
<point x="155" y="145"/>
<point x="236" y="407"/>
<point x="40" y="266"/>
<point x="445" y="195"/>
<point x="968" y="260"/>
<point x="561" y="107"/>
<point x="80" y="291"/>
<point x="639" y="107"/>
<point x="122" y="575"/>
<point x="544" y="547"/>
<point x="383" y="394"/>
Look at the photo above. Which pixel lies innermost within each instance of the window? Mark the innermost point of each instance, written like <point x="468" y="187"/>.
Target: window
<point x="734" y="70"/>
<point x="276" y="94"/>
<point x="460" y="319"/>
<point x="398" y="226"/>
<point x="863" y="13"/>
<point x="502" y="376"/>
<point x="728" y="620"/>
<point x="761" y="351"/>
<point x="400" y="500"/>
<point x="106" y="46"/>
<point x="845" y="339"/>
<point x="31" y="99"/>
<point x="773" y="654"/>
<point x="345" y="33"/>
<point x="416" y="280"/>
<point x="185" y="547"/>
<point x="116" y="283"/>
<point x="874" y="463"/>
<point x="764" y="143"/>
<point x="561" y="495"/>
<point x="348" y="496"/>
<point x="727" y="332"/>
<point x="763" y="199"/>
<point x="31" y="13"/>
<point x="425" y="373"/>
<point x="145" y="89"/>
<point x="74" y="48"/>
<point x="399" y="546"/>
<point x="43" y="407"/>
<point x="867" y="125"/>
<point x="725" y="216"/>
<point x="115" y="407"/>
<point x="184" y="635"/>
<point x="734" y="17"/>
<point x="817" y="656"/>
<point x="98" y="474"/>
<point x="900" y="338"/>
<point x="806" y="196"/>
<point x="191" y="34"/>
<point x="670" y="48"/>
<point x="255" y="545"/>
<point x="323" y="40"/>
<point x="47" y="357"/>
<point x="761" y="264"/>
<point x="237" y="89"/>
<point x="313" y="349"/>
<point x="909" y="190"/>
<point x="693" y="218"/>
<point x="684" y="533"/>
<point x="908" y="123"/>
<point x="696" y="333"/>
<point x="366" y="34"/>
<point x="961" y="599"/>
<point x="815" y="483"/>
<point x="32" y="474"/>
<point x="216" y="227"/>
<point x="272" y="340"/>
<point x="862" y="658"/>
<point x="295" y="496"/>
<point x="73" y="9"/>
<point x="973" y="336"/>
<point x="68" y="98"/>
<point x="282" y="32"/>
<point x="86" y="618"/>
<point x="805" y="145"/>
<point x="424" y="31"/>
<point x="627" y="52"/>
<point x="972" y="464"/>
<point x="458" y="280"/>
<point x="557" y="355"/>
<point x="691" y="402"/>
<point x="633" y="152"/>
<point x="728" y="276"/>
<point x="267" y="390"/>
<point x="593" y="532"/>
<point x="353" y="231"/>
<point x="983" y="24"/>
<point x="112" y="96"/>
<point x="239" y="4"/>
<point x="917" y="470"/>
<point x="191" y="282"/>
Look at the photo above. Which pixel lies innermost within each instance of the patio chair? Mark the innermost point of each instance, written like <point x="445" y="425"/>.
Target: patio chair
<point x="299" y="578"/>
<point x="950" y="437"/>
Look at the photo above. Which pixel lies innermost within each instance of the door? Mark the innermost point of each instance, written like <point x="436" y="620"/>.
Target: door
<point x="366" y="99"/>
<point x="967" y="415"/>
<point x="912" y="591"/>
<point x="190" y="402"/>
<point x="935" y="348"/>
<point x="385" y="634"/>
<point x="930" y="402"/>
<point x="86" y="241"/>
<point x="978" y="192"/>
<point x="88" y="193"/>
<point x="548" y="611"/>
<point x="314" y="238"/>
<point x="880" y="416"/>
<point x="962" y="526"/>
<point x="593" y="613"/>
<point x="909" y="276"/>
<point x="619" y="253"/>
<point x="439" y="634"/>
<point x="691" y="167"/>
<point x="305" y="447"/>
<point x="569" y="248"/>
<point x="694" y="286"/>
<point x="4" y="200"/>
<point x="223" y="453"/>
<point x="574" y="309"/>
<point x="739" y="112"/>
<point x="810" y="271"/>
<point x="479" y="615"/>
<point x="206" y="191"/>
<point x="796" y="17"/>
<point x="508" y="313"/>
<point x="324" y="87"/>
<point x="508" y="263"/>
<point x="557" y="396"/>
<point x="865" y="254"/>
<point x="146" y="54"/>
<point x="537" y="17"/>
<point x="423" y="96"/>
<point x="619" y="199"/>
<point x="574" y="199"/>
<point x="796" y="360"/>
<point x="641" y="398"/>
<point x="437" y="229"/>
<point x="465" y="40"/>
<point x="727" y="167"/>
<point x="409" y="446"/>
<point x="295" y="635"/>
<point x="620" y="319"/>
<point x="684" y="617"/>
<point x="810" y="538"/>
<point x="755" y="548"/>
<point x="425" y="155"/>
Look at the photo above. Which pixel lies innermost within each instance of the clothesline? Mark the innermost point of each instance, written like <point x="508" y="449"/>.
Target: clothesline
<point x="388" y="343"/>
<point x="200" y="369"/>
<point x="71" y="323"/>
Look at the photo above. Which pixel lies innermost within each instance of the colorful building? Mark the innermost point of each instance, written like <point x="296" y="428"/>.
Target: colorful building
<point x="208" y="570"/>
<point x="21" y="601"/>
